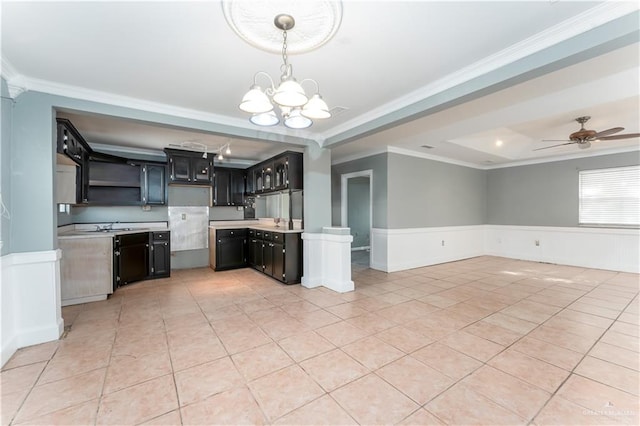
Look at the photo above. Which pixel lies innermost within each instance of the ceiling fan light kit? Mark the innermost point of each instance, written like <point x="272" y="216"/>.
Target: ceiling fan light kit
<point x="584" y="137"/>
<point x="295" y="108"/>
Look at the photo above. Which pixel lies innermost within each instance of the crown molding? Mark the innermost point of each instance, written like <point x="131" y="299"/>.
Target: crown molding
<point x="583" y="154"/>
<point x="81" y="93"/>
<point x="404" y="151"/>
<point x="587" y="20"/>
<point x="16" y="83"/>
<point x="358" y="156"/>
<point x="412" y="153"/>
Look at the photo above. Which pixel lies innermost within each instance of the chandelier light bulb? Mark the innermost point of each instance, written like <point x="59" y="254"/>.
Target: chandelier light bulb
<point x="295" y="120"/>
<point x="265" y="119"/>
<point x="255" y="101"/>
<point x="290" y="93"/>
<point x="228" y="150"/>
<point x="316" y="108"/>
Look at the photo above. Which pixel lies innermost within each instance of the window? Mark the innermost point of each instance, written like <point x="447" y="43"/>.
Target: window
<point x="610" y="196"/>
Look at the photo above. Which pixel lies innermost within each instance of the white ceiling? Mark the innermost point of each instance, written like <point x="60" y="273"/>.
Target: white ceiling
<point x="183" y="59"/>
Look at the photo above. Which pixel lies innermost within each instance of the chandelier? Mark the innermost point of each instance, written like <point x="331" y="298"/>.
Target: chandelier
<point x="296" y="109"/>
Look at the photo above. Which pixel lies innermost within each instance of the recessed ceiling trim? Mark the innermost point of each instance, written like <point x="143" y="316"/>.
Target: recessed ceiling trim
<point x="588" y="20"/>
<point x="582" y="154"/>
<point x="404" y="151"/>
<point x="412" y="153"/>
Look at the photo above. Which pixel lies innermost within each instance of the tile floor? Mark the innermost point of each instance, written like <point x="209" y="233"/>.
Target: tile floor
<point x="482" y="341"/>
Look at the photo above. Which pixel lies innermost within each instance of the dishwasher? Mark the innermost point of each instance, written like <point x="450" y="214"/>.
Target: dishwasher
<point x="130" y="258"/>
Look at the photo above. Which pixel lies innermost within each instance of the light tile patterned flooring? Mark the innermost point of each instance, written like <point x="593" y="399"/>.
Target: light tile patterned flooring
<point x="482" y="341"/>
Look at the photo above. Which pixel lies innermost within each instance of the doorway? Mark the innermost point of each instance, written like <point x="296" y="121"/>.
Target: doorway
<point x="357" y="214"/>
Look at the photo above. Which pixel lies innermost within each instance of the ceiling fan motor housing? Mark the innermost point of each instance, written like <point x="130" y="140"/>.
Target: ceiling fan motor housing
<point x="582" y="135"/>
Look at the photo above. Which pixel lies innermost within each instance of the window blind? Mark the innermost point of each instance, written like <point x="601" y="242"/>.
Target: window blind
<point x="610" y="196"/>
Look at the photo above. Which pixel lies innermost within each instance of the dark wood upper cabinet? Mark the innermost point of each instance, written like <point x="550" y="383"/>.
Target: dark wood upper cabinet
<point x="203" y="170"/>
<point x="237" y="188"/>
<point x="229" y="186"/>
<point x="279" y="173"/>
<point x="189" y="167"/>
<point x="70" y="143"/>
<point x="154" y="183"/>
<point x="267" y="176"/>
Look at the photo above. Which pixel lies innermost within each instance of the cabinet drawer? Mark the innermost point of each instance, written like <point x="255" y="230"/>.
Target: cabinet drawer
<point x="267" y="235"/>
<point x="258" y="234"/>
<point x="160" y="236"/>
<point x="252" y="232"/>
<point x="277" y="237"/>
<point x="222" y="233"/>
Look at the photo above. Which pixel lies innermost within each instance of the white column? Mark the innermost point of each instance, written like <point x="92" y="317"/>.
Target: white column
<point x="330" y="266"/>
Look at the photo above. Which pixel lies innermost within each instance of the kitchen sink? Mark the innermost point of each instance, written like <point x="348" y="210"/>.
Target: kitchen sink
<point x="109" y="230"/>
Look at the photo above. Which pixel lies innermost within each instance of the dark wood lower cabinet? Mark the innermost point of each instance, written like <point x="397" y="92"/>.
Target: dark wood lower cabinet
<point x="141" y="256"/>
<point x="131" y="258"/>
<point x="231" y="249"/>
<point x="276" y="254"/>
<point x="160" y="257"/>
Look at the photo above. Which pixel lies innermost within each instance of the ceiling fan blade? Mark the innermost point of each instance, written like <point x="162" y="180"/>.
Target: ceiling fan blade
<point x="608" y="132"/>
<point x="556" y="140"/>
<point x="625" y="136"/>
<point x="553" y="146"/>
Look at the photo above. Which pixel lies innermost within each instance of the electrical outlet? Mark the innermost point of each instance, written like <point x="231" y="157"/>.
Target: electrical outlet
<point x="442" y="243"/>
<point x="184" y="216"/>
<point x="537" y="243"/>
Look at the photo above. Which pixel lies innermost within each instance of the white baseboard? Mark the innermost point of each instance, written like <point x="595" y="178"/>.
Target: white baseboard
<point x="29" y="300"/>
<point x="601" y="248"/>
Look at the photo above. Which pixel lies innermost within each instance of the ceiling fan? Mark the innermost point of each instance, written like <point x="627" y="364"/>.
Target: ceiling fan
<point x="584" y="137"/>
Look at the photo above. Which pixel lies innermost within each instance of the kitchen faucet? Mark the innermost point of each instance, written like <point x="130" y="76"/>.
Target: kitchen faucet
<point x="108" y="227"/>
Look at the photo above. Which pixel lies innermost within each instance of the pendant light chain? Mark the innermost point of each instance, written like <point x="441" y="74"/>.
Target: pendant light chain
<point x="286" y="68"/>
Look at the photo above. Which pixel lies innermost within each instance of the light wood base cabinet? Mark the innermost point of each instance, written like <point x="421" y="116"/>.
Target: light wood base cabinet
<point x="86" y="269"/>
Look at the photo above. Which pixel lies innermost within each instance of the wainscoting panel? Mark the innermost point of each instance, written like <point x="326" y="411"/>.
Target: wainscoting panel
<point x="29" y="300"/>
<point x="601" y="248"/>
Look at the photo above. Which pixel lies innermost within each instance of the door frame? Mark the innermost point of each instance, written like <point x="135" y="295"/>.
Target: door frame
<point x="344" y="208"/>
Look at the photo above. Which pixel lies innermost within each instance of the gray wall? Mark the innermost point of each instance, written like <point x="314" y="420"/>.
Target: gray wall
<point x="426" y="193"/>
<point x="358" y="201"/>
<point x="317" y="188"/>
<point x="6" y="110"/>
<point x="226" y="213"/>
<point x="378" y="165"/>
<point x="99" y="214"/>
<point x="33" y="208"/>
<point x="543" y="194"/>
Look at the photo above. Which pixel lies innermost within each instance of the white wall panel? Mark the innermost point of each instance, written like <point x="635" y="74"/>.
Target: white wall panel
<point x="599" y="248"/>
<point x="30" y="300"/>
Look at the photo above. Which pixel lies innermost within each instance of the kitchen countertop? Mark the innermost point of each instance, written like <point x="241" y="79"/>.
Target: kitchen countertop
<point x="284" y="228"/>
<point x="88" y="231"/>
